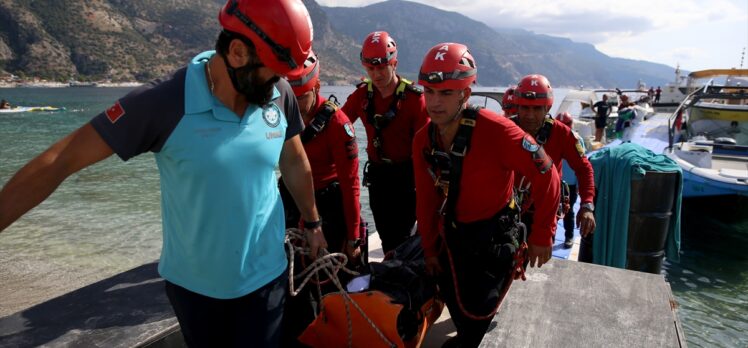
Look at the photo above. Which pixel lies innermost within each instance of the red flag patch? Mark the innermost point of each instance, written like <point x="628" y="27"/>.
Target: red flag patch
<point x="115" y="112"/>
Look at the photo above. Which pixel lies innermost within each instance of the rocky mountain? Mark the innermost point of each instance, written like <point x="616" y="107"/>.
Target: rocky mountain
<point x="503" y="55"/>
<point x="125" y="40"/>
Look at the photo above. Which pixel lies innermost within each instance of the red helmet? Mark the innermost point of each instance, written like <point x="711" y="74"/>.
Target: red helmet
<point x="448" y="65"/>
<point x="534" y="90"/>
<point x="305" y="79"/>
<point x="565" y="118"/>
<point x="281" y="30"/>
<point x="508" y="103"/>
<point x="378" y="49"/>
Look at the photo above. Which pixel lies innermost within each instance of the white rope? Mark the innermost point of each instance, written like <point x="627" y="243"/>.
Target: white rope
<point x="330" y="264"/>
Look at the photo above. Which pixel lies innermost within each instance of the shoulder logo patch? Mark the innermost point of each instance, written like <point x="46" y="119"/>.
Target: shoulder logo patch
<point x="271" y="116"/>
<point x="529" y="143"/>
<point x="349" y="130"/>
<point x="579" y="145"/>
<point x="115" y="112"/>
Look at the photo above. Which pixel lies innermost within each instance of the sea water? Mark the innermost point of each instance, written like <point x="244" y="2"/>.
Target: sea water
<point x="106" y="219"/>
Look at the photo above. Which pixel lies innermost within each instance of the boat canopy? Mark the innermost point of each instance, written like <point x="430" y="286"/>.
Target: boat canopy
<point x="717" y="72"/>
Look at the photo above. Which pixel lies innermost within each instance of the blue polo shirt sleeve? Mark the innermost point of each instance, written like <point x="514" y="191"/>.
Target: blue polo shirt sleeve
<point x="142" y="120"/>
<point x="287" y="103"/>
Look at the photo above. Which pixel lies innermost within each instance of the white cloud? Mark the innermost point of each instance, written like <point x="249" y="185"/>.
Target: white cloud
<point x="692" y="32"/>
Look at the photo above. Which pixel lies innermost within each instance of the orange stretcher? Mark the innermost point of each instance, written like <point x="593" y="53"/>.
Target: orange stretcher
<point x="337" y="326"/>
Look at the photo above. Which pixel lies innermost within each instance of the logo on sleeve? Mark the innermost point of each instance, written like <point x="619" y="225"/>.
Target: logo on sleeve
<point x="349" y="130"/>
<point x="579" y="145"/>
<point x="529" y="143"/>
<point x="271" y="116"/>
<point x="115" y="112"/>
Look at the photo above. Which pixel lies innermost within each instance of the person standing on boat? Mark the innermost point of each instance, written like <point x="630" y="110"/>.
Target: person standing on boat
<point x="602" y="110"/>
<point x="330" y="144"/>
<point x="391" y="109"/>
<point x="658" y="93"/>
<point x="467" y="217"/>
<point x="218" y="128"/>
<point x="534" y="97"/>
<point x="507" y="102"/>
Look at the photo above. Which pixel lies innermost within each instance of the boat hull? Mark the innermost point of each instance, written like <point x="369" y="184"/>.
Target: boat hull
<point x="702" y="182"/>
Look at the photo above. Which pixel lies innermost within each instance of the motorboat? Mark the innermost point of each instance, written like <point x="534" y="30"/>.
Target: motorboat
<point x="708" y="135"/>
<point x="489" y="99"/>
<point x="672" y="94"/>
<point x="20" y="109"/>
<point x="578" y="103"/>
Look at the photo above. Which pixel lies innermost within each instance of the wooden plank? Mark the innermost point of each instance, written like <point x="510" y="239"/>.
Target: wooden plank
<point x="127" y="310"/>
<point x="574" y="304"/>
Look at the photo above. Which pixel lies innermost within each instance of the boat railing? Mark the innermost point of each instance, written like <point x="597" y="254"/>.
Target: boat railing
<point x="708" y="92"/>
<point x="672" y="123"/>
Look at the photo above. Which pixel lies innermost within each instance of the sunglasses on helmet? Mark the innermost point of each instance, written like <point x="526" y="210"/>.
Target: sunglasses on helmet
<point x="440" y="76"/>
<point x="533" y="95"/>
<point x="282" y="53"/>
<point x="375" y="61"/>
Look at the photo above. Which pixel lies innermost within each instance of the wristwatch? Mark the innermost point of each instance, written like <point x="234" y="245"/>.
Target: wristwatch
<point x="588" y="206"/>
<point x="310" y="225"/>
<point x="354" y="243"/>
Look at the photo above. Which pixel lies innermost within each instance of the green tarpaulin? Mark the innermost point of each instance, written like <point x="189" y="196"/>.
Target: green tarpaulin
<point x="615" y="167"/>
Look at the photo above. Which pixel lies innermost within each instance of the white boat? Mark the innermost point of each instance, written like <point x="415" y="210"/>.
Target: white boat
<point x="578" y="103"/>
<point x="20" y="109"/>
<point x="672" y="94"/>
<point x="712" y="144"/>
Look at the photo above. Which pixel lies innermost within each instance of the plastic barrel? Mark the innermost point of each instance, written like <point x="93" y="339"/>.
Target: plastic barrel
<point x="650" y="212"/>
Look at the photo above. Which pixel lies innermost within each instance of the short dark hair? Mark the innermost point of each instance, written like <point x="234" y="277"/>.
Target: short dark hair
<point x="224" y="41"/>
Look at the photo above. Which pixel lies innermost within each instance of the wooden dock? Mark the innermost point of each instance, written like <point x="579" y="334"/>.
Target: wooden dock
<point x="575" y="304"/>
<point x="562" y="304"/>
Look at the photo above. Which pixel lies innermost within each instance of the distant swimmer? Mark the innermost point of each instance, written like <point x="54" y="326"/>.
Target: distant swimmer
<point x="4" y="104"/>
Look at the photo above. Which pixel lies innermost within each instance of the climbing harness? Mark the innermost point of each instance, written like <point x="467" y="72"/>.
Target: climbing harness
<point x="446" y="170"/>
<point x="381" y="121"/>
<point x="318" y="123"/>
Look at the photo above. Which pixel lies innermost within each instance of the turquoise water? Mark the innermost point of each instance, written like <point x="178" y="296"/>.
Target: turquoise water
<point x="106" y="219"/>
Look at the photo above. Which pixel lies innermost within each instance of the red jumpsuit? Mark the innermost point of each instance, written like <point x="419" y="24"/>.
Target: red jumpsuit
<point x="398" y="135"/>
<point x="494" y="153"/>
<point x="390" y="178"/>
<point x="562" y="145"/>
<point x="333" y="157"/>
<point x="474" y="270"/>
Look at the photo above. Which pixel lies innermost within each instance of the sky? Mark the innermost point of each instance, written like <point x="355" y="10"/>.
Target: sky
<point x="695" y="34"/>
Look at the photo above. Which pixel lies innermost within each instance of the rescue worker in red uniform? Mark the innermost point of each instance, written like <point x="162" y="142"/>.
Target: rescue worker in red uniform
<point x="534" y="98"/>
<point x="330" y="145"/>
<point x="507" y="102"/>
<point x="392" y="110"/>
<point x="470" y="154"/>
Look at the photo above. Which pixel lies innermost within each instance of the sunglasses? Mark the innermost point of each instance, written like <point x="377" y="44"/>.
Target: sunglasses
<point x="440" y="76"/>
<point x="283" y="54"/>
<point x="375" y="61"/>
<point x="532" y="95"/>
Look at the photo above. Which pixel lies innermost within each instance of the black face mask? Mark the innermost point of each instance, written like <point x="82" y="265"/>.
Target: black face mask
<point x="245" y="81"/>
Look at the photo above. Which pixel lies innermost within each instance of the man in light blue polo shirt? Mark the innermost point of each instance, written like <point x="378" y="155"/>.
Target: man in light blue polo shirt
<point x="218" y="128"/>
